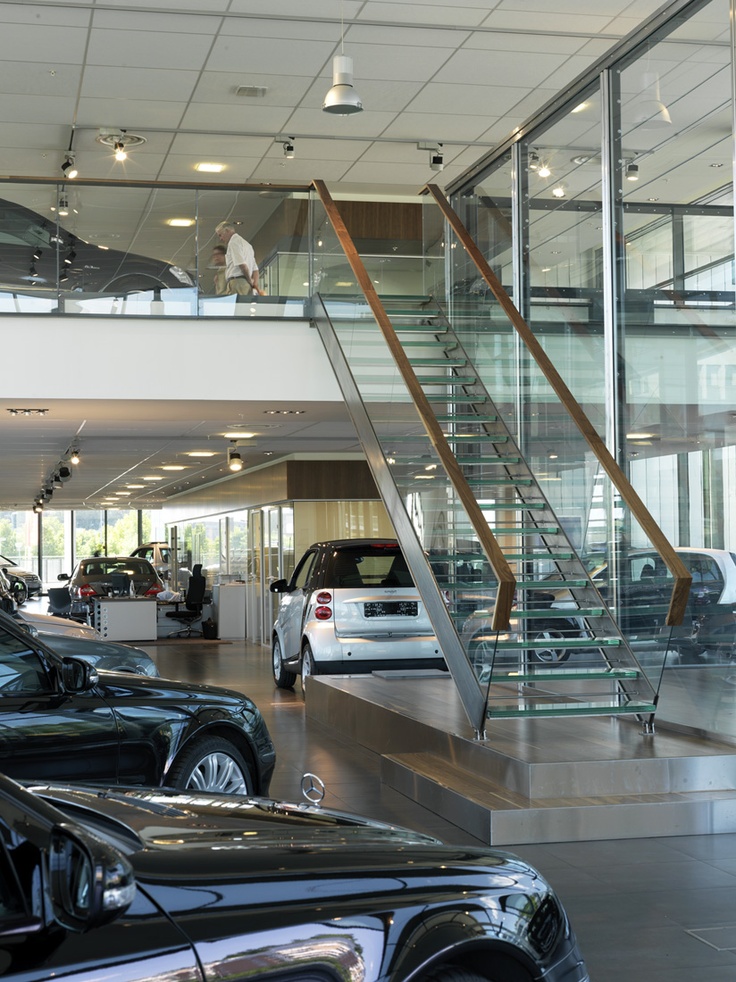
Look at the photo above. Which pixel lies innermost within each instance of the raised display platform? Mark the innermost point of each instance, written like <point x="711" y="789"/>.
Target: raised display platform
<point x="531" y="780"/>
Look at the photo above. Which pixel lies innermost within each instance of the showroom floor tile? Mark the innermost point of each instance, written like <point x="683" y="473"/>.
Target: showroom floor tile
<point x="663" y="910"/>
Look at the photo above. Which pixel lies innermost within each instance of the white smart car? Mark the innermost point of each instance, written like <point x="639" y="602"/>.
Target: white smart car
<point x="351" y="607"/>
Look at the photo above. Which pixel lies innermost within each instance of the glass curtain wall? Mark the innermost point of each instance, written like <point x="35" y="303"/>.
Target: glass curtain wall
<point x="611" y="224"/>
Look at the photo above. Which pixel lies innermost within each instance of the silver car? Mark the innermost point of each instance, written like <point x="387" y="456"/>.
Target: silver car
<point x="351" y="607"/>
<point x="105" y="576"/>
<point x="23" y="582"/>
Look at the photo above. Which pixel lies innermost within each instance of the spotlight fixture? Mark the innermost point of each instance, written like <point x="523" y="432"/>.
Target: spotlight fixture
<point x="533" y="160"/>
<point x="37" y="253"/>
<point x="558" y="192"/>
<point x="632" y="172"/>
<point x="38" y="507"/>
<point x="69" y="168"/>
<point x="33" y="271"/>
<point x="288" y="146"/>
<point x="70" y="257"/>
<point x="63" y="206"/>
<point x="436" y="158"/>
<point x="543" y="170"/>
<point x="74" y="457"/>
<point x="64" y="473"/>
<point x="234" y="460"/>
<point x="120" y="142"/>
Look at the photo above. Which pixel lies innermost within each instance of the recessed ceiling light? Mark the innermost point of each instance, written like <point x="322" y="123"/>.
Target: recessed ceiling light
<point x="200" y="453"/>
<point x="238" y="435"/>
<point x="173" y="467"/>
<point x="180" y="222"/>
<point x="122" y="494"/>
<point x="152" y="477"/>
<point x="209" y="168"/>
<point x="580" y="107"/>
<point x="640" y="436"/>
<point x="135" y="487"/>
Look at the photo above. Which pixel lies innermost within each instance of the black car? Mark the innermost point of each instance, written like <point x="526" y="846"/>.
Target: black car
<point x="39" y="255"/>
<point x="61" y="719"/>
<point x="169" y="885"/>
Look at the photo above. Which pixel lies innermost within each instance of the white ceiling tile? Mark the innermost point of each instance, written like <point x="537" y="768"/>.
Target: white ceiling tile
<point x="46" y="14"/>
<point x="282" y="30"/>
<point x="425" y="13"/>
<point x="281" y="90"/>
<point x="113" y="113"/>
<point x="528" y="43"/>
<point x="155" y="22"/>
<point x="261" y="55"/>
<point x="233" y="119"/>
<point x="41" y="109"/>
<point x="408" y="36"/>
<point x="219" y="148"/>
<point x="39" y="79"/>
<point x="504" y="67"/>
<point x="50" y="45"/>
<point x="208" y="6"/>
<point x="103" y="82"/>
<point x="314" y="122"/>
<point x="397" y="62"/>
<point x="547" y="18"/>
<point x="447" y="98"/>
<point x="144" y="49"/>
<point x="424" y="126"/>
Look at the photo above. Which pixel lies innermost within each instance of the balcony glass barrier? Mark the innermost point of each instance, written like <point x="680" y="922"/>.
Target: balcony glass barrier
<point x="80" y="249"/>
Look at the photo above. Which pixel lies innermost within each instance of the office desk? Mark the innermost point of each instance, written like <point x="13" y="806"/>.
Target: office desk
<point x="125" y="618"/>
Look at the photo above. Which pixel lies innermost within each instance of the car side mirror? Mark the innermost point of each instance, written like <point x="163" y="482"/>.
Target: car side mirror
<point x="78" y="675"/>
<point x="91" y="882"/>
<point x="63" y="576"/>
<point x="279" y="586"/>
<point x="87" y="881"/>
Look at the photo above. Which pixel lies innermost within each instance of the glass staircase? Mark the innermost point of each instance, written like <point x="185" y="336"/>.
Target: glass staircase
<point x="523" y="627"/>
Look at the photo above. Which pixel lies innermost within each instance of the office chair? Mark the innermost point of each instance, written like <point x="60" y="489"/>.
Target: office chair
<point x="193" y="603"/>
<point x="119" y="585"/>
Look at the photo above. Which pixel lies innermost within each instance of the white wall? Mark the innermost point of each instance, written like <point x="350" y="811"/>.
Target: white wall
<point x="165" y="358"/>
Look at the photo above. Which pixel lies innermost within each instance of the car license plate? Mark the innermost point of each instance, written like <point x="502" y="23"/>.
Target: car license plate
<point x="401" y="608"/>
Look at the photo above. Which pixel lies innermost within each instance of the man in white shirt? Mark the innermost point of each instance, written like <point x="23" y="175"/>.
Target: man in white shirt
<point x="241" y="269"/>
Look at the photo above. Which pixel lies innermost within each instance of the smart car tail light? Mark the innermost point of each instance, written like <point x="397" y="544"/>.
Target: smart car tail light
<point x="323" y="613"/>
<point x="324" y="598"/>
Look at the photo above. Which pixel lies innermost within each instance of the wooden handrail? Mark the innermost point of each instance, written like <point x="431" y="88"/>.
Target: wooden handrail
<point x="681" y="574"/>
<point x="499" y="564"/>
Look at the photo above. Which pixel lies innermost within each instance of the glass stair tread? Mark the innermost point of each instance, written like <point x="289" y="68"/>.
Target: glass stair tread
<point x="463" y="400"/>
<point x="521" y="530"/>
<point x="493" y="461"/>
<point x="553" y="613"/>
<point x="465" y="420"/>
<point x="546" y="674"/>
<point x="447" y="380"/>
<point x="512" y="505"/>
<point x="558" y="644"/>
<point x="498" y="482"/>
<point x="602" y="708"/>
<point x="550" y="584"/>
<point x="438" y="362"/>
<point x="534" y="556"/>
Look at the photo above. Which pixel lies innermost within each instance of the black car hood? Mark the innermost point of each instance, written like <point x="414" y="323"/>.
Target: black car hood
<point x="180" y="838"/>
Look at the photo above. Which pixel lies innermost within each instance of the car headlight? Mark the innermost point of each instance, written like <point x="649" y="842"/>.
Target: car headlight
<point x="181" y="275"/>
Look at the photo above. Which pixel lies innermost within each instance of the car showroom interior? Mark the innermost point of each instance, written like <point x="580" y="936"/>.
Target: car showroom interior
<point x="368" y="497"/>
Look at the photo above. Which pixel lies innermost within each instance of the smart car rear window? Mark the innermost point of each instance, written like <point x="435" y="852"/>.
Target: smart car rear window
<point x="371" y="566"/>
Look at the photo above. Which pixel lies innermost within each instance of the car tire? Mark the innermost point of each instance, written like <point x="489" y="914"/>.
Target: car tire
<point x="548" y="656"/>
<point x="20" y="592"/>
<point x="282" y="678"/>
<point x="309" y="666"/>
<point x="211" y="764"/>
